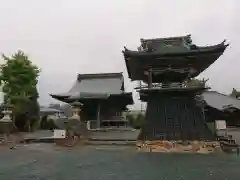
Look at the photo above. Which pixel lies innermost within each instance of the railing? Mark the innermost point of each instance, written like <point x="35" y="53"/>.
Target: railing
<point x="172" y="85"/>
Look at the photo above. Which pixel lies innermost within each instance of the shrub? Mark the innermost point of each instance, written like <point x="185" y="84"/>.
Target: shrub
<point x="136" y="121"/>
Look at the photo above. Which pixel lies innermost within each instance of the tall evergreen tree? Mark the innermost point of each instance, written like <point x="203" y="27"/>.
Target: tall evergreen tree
<point x="19" y="78"/>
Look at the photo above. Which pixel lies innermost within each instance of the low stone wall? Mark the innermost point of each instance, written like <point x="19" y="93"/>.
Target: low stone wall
<point x="11" y="140"/>
<point x="71" y="141"/>
<point x="179" y="146"/>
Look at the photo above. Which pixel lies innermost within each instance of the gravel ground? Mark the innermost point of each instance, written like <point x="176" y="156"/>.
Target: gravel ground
<point x="47" y="162"/>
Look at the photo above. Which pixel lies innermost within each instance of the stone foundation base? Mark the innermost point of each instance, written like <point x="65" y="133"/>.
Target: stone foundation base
<point x="11" y="139"/>
<point x="179" y="146"/>
<point x="70" y="141"/>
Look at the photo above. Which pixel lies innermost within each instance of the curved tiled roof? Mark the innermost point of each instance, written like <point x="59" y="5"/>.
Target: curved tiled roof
<point x="176" y="52"/>
<point x="94" y="86"/>
<point x="220" y="101"/>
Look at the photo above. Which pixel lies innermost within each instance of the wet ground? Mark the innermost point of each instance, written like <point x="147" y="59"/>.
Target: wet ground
<point x="46" y="162"/>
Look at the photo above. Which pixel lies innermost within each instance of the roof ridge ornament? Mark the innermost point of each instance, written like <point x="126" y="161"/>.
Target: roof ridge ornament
<point x="224" y="41"/>
<point x="187" y="39"/>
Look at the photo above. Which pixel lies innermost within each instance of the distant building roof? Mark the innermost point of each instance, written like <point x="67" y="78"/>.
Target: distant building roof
<point x="220" y="101"/>
<point x="98" y="86"/>
<point x="49" y="110"/>
<point x="100" y="76"/>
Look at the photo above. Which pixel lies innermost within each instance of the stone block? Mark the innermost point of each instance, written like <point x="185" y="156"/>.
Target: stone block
<point x="173" y="146"/>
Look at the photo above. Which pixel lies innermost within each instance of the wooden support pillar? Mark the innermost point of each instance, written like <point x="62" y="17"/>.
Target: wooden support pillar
<point x="99" y="115"/>
<point x="150" y="78"/>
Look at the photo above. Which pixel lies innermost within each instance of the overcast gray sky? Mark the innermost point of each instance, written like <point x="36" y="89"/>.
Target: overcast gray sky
<point x="66" y="37"/>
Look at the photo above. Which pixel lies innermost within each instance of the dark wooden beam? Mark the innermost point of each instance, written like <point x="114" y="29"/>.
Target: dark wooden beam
<point x="99" y="115"/>
<point x="150" y="78"/>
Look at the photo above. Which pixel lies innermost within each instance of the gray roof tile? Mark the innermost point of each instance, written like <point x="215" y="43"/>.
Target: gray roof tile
<point x="47" y="109"/>
<point x="220" y="101"/>
<point x="96" y="86"/>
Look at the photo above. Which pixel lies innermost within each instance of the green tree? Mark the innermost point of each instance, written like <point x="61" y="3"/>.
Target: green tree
<point x="130" y="117"/>
<point x="19" y="78"/>
<point x="136" y="120"/>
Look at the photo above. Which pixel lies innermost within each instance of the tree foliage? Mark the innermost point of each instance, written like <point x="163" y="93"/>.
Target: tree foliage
<point x="19" y="78"/>
<point x="135" y="120"/>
